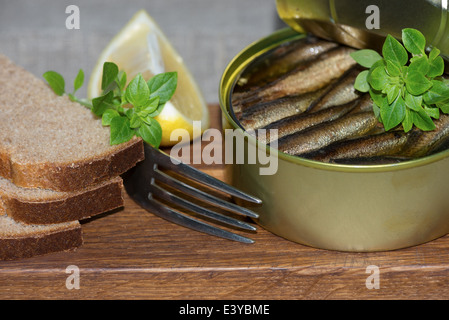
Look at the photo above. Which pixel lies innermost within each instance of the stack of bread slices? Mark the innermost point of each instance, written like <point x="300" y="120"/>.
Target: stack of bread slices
<point x="57" y="166"/>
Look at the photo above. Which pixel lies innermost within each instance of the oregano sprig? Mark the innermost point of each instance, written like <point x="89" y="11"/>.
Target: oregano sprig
<point x="406" y="84"/>
<point x="128" y="110"/>
<point x="57" y="83"/>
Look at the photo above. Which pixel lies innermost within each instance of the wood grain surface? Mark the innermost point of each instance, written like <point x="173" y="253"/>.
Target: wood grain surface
<point x="132" y="254"/>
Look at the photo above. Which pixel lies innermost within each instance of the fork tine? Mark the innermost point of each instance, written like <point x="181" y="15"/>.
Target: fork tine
<point x="169" y="180"/>
<point x="140" y="184"/>
<point x="168" y="196"/>
<point x="168" y="214"/>
<point x="167" y="162"/>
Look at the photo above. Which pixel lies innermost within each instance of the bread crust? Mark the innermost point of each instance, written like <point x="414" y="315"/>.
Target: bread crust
<point x="25" y="247"/>
<point x="73" y="176"/>
<point x="69" y="207"/>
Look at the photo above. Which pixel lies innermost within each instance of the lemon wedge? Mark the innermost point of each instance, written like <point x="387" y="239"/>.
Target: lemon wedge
<point x="141" y="47"/>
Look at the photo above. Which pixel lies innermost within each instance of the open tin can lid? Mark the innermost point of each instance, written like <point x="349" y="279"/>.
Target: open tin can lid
<point x="366" y="23"/>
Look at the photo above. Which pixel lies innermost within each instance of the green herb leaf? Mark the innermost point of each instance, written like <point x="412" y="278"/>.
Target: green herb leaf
<point x="120" y="130"/>
<point x="414" y="41"/>
<point x="101" y="104"/>
<point x="163" y="86"/>
<point x="439" y="92"/>
<point x="378" y="78"/>
<point x="392" y="50"/>
<point x="135" y="121"/>
<point x="122" y="80"/>
<point x="151" y="105"/>
<point x="379" y="63"/>
<point x="392" y="115"/>
<point x="137" y="92"/>
<point x="361" y="82"/>
<point x="376" y="96"/>
<point x="55" y="81"/>
<point x="420" y="64"/>
<point x="443" y="106"/>
<point x="366" y="57"/>
<point x="129" y="112"/>
<point x="121" y="110"/>
<point x="407" y="123"/>
<point x="435" y="52"/>
<point x="436" y="67"/>
<point x="432" y="112"/>
<point x="151" y="132"/>
<point x="417" y="83"/>
<point x="422" y="120"/>
<point x="157" y="111"/>
<point x="392" y="92"/>
<point x="108" y="115"/>
<point x="413" y="102"/>
<point x="110" y="72"/>
<point x="393" y="69"/>
<point x="79" y="81"/>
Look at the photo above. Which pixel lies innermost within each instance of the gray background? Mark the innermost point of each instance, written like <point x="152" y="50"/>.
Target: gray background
<point x="206" y="33"/>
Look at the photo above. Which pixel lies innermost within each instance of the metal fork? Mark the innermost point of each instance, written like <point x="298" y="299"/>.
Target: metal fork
<point x="147" y="185"/>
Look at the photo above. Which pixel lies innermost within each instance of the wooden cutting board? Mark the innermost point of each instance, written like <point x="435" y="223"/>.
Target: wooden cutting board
<point x="132" y="254"/>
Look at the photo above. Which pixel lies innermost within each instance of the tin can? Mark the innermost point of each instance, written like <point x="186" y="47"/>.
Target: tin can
<point x="365" y="23"/>
<point x="358" y="208"/>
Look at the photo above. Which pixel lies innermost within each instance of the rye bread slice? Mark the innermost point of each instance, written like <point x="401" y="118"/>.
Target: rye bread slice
<point x="19" y="241"/>
<point x="41" y="206"/>
<point x="49" y="142"/>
